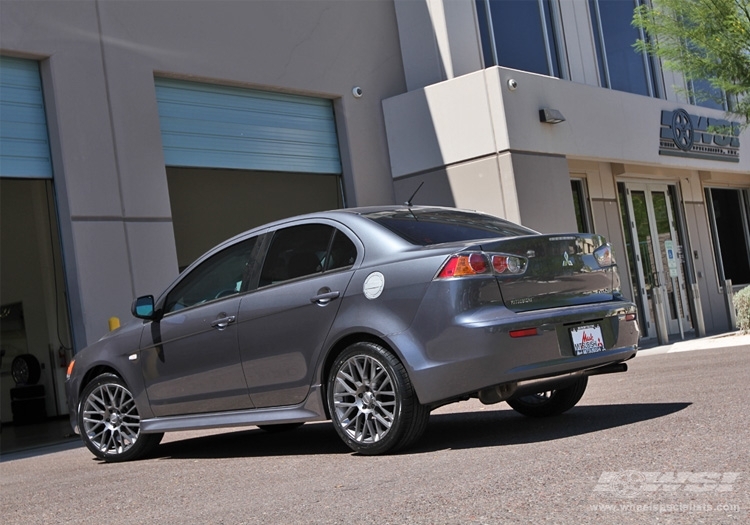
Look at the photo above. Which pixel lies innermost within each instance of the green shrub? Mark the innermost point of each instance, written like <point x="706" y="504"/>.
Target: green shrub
<point x="742" y="307"/>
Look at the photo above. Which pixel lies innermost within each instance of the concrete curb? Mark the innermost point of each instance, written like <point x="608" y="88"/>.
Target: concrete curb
<point x="731" y="339"/>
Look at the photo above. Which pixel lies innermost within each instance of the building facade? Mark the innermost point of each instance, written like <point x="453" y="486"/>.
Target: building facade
<point x="136" y="135"/>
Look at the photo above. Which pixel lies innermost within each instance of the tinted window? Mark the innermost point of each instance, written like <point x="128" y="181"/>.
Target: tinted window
<point x="702" y="93"/>
<point x="221" y="275"/>
<point x="431" y="226"/>
<point x="729" y="221"/>
<point x="621" y="66"/>
<point x="296" y="252"/>
<point x="523" y="35"/>
<point x="343" y="253"/>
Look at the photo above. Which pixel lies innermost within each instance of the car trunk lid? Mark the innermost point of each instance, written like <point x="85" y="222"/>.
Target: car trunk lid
<point x="561" y="270"/>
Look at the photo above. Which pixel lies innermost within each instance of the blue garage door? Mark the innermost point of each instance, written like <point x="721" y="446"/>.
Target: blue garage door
<point x="209" y="126"/>
<point x="24" y="144"/>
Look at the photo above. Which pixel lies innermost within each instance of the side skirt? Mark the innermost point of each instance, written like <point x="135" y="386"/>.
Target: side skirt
<point x="312" y="409"/>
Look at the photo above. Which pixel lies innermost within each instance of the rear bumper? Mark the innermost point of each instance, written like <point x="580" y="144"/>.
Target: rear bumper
<point x="474" y="351"/>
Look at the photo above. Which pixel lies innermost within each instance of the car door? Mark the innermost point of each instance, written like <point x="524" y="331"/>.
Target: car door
<point x="283" y="324"/>
<point x="190" y="357"/>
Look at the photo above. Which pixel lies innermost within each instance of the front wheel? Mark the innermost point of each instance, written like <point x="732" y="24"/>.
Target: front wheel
<point x="550" y="403"/>
<point x="372" y="403"/>
<point x="109" y="422"/>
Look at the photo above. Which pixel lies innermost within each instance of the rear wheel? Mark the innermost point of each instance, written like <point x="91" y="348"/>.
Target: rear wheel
<point x="109" y="422"/>
<point x="372" y="403"/>
<point x="551" y="403"/>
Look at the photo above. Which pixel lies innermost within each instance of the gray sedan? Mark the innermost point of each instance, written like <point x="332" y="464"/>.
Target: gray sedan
<point x="369" y="317"/>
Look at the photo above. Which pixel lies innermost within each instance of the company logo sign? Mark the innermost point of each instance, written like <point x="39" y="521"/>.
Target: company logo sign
<point x="693" y="136"/>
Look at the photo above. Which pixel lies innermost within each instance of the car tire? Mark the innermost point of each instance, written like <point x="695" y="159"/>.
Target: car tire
<point x="550" y="403"/>
<point x="25" y="369"/>
<point x="371" y="400"/>
<point x="282" y="427"/>
<point x="109" y="422"/>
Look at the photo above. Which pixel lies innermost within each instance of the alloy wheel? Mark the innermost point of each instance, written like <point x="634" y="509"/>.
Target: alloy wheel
<point x="110" y="419"/>
<point x="365" y="399"/>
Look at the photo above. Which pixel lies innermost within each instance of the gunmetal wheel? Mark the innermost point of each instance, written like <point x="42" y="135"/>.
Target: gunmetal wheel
<point x="551" y="403"/>
<point x="109" y="422"/>
<point x="371" y="401"/>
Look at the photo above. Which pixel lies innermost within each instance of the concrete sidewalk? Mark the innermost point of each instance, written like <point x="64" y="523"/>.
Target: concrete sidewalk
<point x="726" y="340"/>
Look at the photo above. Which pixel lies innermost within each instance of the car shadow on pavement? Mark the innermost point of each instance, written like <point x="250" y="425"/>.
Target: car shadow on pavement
<point x="460" y="430"/>
<point x="485" y="428"/>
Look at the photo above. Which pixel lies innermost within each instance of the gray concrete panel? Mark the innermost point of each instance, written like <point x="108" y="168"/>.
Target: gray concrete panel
<point x="151" y="271"/>
<point x="104" y="273"/>
<point x="712" y="298"/>
<point x="544" y="197"/>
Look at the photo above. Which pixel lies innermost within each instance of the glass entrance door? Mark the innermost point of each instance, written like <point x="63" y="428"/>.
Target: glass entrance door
<point x="656" y="251"/>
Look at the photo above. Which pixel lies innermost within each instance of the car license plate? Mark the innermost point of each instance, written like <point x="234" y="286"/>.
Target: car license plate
<point x="587" y="339"/>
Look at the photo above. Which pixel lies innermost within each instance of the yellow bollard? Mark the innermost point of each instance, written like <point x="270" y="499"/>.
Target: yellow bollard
<point x="114" y="323"/>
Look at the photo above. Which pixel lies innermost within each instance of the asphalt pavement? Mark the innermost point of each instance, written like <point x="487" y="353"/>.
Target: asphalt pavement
<point x="667" y="442"/>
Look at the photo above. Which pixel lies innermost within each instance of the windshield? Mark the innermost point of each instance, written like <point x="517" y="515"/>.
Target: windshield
<point x="427" y="226"/>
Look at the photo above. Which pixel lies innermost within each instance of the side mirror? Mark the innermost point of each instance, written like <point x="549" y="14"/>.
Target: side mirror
<point x="143" y="307"/>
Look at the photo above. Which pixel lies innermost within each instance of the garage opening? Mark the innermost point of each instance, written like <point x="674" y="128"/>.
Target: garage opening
<point x="211" y="205"/>
<point x="35" y="337"/>
<point x="34" y="328"/>
<point x="237" y="158"/>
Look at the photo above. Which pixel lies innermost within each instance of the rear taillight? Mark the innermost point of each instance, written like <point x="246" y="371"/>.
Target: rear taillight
<point x="464" y="265"/>
<point x="480" y="263"/>
<point x="508" y="264"/>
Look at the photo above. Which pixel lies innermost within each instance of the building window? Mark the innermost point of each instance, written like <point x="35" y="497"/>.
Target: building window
<point x="521" y="34"/>
<point x="728" y="215"/>
<point x="717" y="98"/>
<point x="580" y="204"/>
<point x="621" y="67"/>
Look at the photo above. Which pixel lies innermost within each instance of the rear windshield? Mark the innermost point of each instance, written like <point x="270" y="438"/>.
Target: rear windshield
<point x="436" y="226"/>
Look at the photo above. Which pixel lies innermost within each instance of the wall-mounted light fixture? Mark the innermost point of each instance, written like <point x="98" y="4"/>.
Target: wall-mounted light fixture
<point x="550" y="116"/>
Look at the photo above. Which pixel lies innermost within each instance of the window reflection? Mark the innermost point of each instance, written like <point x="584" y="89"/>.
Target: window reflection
<point x="621" y="67"/>
<point x="520" y="34"/>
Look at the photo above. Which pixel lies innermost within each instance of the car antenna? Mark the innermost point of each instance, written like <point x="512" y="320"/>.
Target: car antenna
<point x="408" y="202"/>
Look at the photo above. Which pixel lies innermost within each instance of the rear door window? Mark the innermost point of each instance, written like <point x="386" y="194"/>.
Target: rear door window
<point x="304" y="250"/>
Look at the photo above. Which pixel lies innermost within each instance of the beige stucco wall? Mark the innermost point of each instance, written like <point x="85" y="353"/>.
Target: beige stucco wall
<point x="98" y="62"/>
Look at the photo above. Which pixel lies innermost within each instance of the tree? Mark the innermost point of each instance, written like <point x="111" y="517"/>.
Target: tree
<point x="706" y="40"/>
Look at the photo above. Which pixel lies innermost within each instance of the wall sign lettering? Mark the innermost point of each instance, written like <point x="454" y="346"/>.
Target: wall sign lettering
<point x="686" y="135"/>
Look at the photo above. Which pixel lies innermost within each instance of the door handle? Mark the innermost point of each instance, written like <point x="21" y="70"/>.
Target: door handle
<point x="223" y="322"/>
<point x="324" y="298"/>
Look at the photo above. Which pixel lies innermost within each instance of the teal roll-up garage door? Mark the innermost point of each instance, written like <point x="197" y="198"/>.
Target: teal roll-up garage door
<point x="209" y="126"/>
<point x="24" y="143"/>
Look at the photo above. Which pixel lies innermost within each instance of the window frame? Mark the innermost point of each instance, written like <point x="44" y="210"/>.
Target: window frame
<point x="194" y="270"/>
<point x="336" y="229"/>
<point x="553" y="22"/>
<point x="652" y="69"/>
<point x="584" y="204"/>
<point x="744" y="208"/>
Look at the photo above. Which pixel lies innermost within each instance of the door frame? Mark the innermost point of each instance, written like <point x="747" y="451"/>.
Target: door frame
<point x="677" y="301"/>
